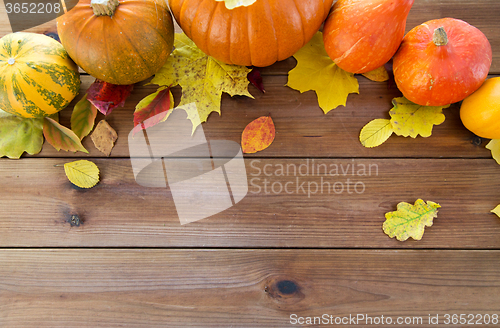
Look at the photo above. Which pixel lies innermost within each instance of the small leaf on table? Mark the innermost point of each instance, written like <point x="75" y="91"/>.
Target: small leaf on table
<point x="316" y="71"/>
<point x="60" y="137"/>
<point x="153" y="109"/>
<point x="83" y="118"/>
<point x="410" y="119"/>
<point x="258" y="135"/>
<point x="377" y="75"/>
<point x="256" y="79"/>
<point x="496" y="210"/>
<point x="494" y="146"/>
<point x="104" y="137"/>
<point x="375" y="133"/>
<point x="19" y="135"/>
<point x="410" y="220"/>
<point x="106" y="96"/>
<point x="83" y="173"/>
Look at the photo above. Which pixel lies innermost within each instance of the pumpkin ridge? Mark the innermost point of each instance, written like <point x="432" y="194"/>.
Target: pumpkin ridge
<point x="271" y="19"/>
<point x="304" y="37"/>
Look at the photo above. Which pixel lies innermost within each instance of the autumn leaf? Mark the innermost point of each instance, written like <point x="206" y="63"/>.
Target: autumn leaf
<point x="104" y="137"/>
<point x="410" y="220"/>
<point x="82" y="173"/>
<point x="106" y="96"/>
<point x="60" y="137"/>
<point x="494" y="146"/>
<point x="316" y="71"/>
<point x="231" y="4"/>
<point x="410" y="119"/>
<point x="19" y="135"/>
<point x="377" y="75"/>
<point x="258" y="135"/>
<point x="496" y="210"/>
<point x="203" y="79"/>
<point x="83" y="118"/>
<point x="153" y="109"/>
<point x="375" y="133"/>
<point x="256" y="79"/>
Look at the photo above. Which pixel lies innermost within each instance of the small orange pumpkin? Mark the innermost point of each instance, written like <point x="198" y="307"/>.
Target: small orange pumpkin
<point x="441" y="62"/>
<point x="257" y="35"/>
<point x="118" y="41"/>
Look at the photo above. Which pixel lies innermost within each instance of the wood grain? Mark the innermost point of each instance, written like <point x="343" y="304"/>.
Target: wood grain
<point x="38" y="201"/>
<point x="240" y="288"/>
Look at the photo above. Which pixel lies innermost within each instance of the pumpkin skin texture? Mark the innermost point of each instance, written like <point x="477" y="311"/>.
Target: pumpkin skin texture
<point x="37" y="77"/>
<point x="480" y="112"/>
<point x="437" y="67"/>
<point x="362" y="35"/>
<point x="127" y="47"/>
<point x="257" y="35"/>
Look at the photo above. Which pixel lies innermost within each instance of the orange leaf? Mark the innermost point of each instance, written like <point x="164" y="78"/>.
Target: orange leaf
<point x="61" y="137"/>
<point x="258" y="135"/>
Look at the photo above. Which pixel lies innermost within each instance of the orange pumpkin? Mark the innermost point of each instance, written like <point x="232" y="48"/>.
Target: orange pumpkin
<point x="362" y="35"/>
<point x="441" y="62"/>
<point x="119" y="42"/>
<point x="257" y="35"/>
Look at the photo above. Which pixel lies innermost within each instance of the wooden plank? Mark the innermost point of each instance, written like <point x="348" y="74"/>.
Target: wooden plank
<point x="37" y="203"/>
<point x="483" y="14"/>
<point x="303" y="130"/>
<point x="242" y="288"/>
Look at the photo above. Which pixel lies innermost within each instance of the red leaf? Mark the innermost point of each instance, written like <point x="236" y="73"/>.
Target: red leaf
<point x="152" y="109"/>
<point x="106" y="96"/>
<point x="258" y="135"/>
<point x="256" y="79"/>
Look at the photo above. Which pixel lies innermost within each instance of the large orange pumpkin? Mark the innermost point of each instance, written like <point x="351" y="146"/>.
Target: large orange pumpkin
<point x="441" y="62"/>
<point x="118" y="41"/>
<point x="260" y="34"/>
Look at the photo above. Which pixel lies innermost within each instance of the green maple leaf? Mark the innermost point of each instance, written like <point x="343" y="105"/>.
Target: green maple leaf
<point x="410" y="119"/>
<point x="316" y="71"/>
<point x="19" y="135"/>
<point x="410" y="220"/>
<point x="203" y="79"/>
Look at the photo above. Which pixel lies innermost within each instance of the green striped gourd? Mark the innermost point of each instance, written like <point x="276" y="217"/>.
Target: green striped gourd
<point x="37" y="77"/>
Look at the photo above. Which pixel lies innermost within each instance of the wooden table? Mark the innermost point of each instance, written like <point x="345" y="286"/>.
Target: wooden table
<point x="272" y="258"/>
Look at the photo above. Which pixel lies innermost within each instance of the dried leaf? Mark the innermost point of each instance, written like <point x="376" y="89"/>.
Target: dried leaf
<point x="106" y="96"/>
<point x="231" y="4"/>
<point x="83" y="173"/>
<point x="104" y="137"/>
<point x="377" y="75"/>
<point x="258" y="135"/>
<point x="494" y="146"/>
<point x="316" y="71"/>
<point x="153" y="109"/>
<point x="60" y="137"/>
<point x="19" y="135"/>
<point x="410" y="119"/>
<point x="256" y="79"/>
<point x="496" y="210"/>
<point x="202" y="78"/>
<point x="375" y="133"/>
<point x="410" y="220"/>
<point x="83" y="118"/>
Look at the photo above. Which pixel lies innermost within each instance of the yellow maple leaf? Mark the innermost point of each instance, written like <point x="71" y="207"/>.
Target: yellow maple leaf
<point x="496" y="210"/>
<point x="410" y="119"/>
<point x="410" y="220"/>
<point x="316" y="71"/>
<point x="494" y="146"/>
<point x="375" y="133"/>
<point x="83" y="173"/>
<point x="231" y="4"/>
<point x="203" y="79"/>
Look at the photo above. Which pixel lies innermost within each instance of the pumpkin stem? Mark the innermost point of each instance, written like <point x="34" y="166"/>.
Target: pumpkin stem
<point x="440" y="38"/>
<point x="104" y="7"/>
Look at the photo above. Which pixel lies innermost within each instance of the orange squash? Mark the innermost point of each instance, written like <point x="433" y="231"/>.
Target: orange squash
<point x="441" y="62"/>
<point x="118" y="41"/>
<point x="257" y="35"/>
<point x="362" y="35"/>
<point x="480" y="112"/>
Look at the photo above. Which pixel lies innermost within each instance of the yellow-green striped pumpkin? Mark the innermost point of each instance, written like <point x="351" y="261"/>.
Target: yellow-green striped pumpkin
<point x="37" y="77"/>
